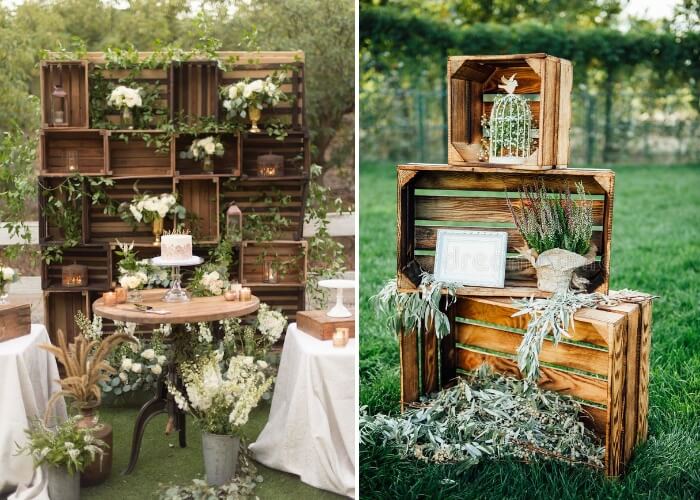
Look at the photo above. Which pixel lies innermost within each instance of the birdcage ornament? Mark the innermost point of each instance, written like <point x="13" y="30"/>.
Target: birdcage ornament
<point x="510" y="126"/>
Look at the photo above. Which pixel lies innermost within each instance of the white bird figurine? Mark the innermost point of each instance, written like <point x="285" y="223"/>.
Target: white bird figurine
<point x="509" y="84"/>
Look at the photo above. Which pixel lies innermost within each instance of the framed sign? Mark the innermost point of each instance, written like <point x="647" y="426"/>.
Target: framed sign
<point x="471" y="258"/>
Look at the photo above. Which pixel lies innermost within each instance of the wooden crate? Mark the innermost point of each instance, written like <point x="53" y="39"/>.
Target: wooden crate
<point x="48" y="231"/>
<point x="200" y="197"/>
<point x="60" y="308"/>
<point x="73" y="77"/>
<point x="432" y="197"/>
<point x="61" y="147"/>
<point x="104" y="228"/>
<point x="150" y="77"/>
<point x="294" y="148"/>
<point x="131" y="156"/>
<point x="291" y="253"/>
<point x="97" y="258"/>
<point x="288" y="299"/>
<point x="227" y="165"/>
<point x="257" y="66"/>
<point x="321" y="326"/>
<point x="195" y="90"/>
<point x="605" y="365"/>
<point x="15" y="321"/>
<point x="472" y="83"/>
<point x="284" y="197"/>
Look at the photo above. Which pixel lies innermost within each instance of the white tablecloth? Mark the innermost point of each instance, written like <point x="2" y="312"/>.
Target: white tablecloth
<point x="28" y="377"/>
<point x="311" y="429"/>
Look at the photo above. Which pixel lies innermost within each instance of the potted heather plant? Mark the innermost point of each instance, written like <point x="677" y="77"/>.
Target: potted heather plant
<point x="66" y="450"/>
<point x="557" y="230"/>
<point x="220" y="396"/>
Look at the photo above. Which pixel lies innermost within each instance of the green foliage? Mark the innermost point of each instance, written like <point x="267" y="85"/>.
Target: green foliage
<point x="554" y="220"/>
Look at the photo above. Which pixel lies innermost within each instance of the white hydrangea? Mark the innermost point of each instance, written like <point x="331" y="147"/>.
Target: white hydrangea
<point x="271" y="323"/>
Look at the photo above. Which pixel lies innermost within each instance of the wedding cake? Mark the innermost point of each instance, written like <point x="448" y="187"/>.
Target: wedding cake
<point x="175" y="247"/>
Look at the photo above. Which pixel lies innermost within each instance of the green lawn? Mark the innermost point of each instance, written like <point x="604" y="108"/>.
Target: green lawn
<point x="656" y="248"/>
<point x="162" y="461"/>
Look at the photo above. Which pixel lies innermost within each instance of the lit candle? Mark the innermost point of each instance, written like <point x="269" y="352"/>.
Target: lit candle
<point x="231" y="295"/>
<point x="245" y="294"/>
<point x="341" y="337"/>
<point x="236" y="287"/>
<point x="109" y="298"/>
<point x="121" y="294"/>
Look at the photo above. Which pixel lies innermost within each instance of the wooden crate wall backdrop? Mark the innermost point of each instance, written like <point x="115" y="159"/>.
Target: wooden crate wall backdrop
<point x="432" y="197"/>
<point x="545" y="81"/>
<point x="185" y="91"/>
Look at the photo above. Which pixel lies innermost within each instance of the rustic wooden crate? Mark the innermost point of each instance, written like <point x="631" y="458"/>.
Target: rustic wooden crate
<point x="294" y="148"/>
<point x="90" y="146"/>
<point x="227" y="165"/>
<point x="158" y="77"/>
<point x="97" y="258"/>
<point x="431" y="197"/>
<point x="195" y="90"/>
<point x="15" y="321"/>
<point x="284" y="196"/>
<point x="321" y="326"/>
<point x="472" y="81"/>
<point x="104" y="228"/>
<point x="134" y="158"/>
<point x="605" y="365"/>
<point x="253" y="253"/>
<point x="260" y="65"/>
<point x="200" y="197"/>
<point x="60" y="308"/>
<point x="48" y="232"/>
<point x="288" y="299"/>
<point x="73" y="77"/>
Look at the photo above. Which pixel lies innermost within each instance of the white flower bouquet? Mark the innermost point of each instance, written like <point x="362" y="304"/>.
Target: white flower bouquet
<point x="241" y="339"/>
<point x="145" y="208"/>
<point x="7" y="276"/>
<point x="206" y="146"/>
<point x="208" y="280"/>
<point x="270" y="323"/>
<point x="125" y="97"/>
<point x="221" y="400"/>
<point x="241" y="96"/>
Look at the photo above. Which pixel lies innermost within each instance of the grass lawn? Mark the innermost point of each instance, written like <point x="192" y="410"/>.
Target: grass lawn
<point x="162" y="461"/>
<point x="656" y="248"/>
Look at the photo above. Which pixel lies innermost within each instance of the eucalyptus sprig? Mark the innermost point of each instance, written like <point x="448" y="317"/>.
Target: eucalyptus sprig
<point x="416" y="310"/>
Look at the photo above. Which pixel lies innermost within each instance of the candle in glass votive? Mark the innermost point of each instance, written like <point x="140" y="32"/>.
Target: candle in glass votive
<point x="245" y="294"/>
<point x="236" y="287"/>
<point x="341" y="337"/>
<point x="109" y="298"/>
<point x="231" y="295"/>
<point x="120" y="292"/>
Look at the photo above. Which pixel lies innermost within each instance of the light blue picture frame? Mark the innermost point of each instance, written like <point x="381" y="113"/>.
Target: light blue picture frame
<point x="471" y="258"/>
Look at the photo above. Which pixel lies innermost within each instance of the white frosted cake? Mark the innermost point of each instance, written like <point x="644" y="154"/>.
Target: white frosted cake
<point x="175" y="247"/>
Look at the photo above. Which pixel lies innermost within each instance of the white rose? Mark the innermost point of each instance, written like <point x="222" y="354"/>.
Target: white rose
<point x="161" y="359"/>
<point x="136" y="368"/>
<point x="210" y="148"/>
<point x="156" y="369"/>
<point x="262" y="364"/>
<point x="123" y="377"/>
<point x="148" y="354"/>
<point x="8" y="273"/>
<point x="233" y="92"/>
<point x="126" y="364"/>
<point x="255" y="86"/>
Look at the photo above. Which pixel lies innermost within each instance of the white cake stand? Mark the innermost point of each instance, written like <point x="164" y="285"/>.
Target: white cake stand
<point x="338" y="310"/>
<point x="176" y="292"/>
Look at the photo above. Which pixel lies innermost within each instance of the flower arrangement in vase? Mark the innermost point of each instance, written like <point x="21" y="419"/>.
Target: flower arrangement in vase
<point x="125" y="99"/>
<point x="557" y="230"/>
<point x="220" y="396"/>
<point x="204" y="150"/>
<point x="7" y="276"/>
<point x="248" y="98"/>
<point x="151" y="209"/>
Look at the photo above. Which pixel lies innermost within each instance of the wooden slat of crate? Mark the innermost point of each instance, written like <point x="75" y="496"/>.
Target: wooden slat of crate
<point x="103" y="228"/>
<point x="195" y="90"/>
<point x="97" y="258"/>
<point x="134" y="158"/>
<point x="254" y="197"/>
<point x="200" y="197"/>
<point x="15" y="321"/>
<point x="294" y="148"/>
<point x="253" y="254"/>
<point x="60" y="308"/>
<point x="73" y="77"/>
<point x="48" y="232"/>
<point x="227" y="165"/>
<point x="90" y="146"/>
<point x="431" y="197"/>
<point x="284" y="298"/>
<point x="470" y="77"/>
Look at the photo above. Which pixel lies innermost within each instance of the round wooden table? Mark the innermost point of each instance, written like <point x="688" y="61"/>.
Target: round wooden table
<point x="199" y="309"/>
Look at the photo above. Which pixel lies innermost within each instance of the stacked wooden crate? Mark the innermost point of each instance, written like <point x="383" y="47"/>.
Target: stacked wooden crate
<point x="605" y="364"/>
<point x="187" y="91"/>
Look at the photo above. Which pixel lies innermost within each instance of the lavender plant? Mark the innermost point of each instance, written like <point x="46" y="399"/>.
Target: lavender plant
<point x="553" y="220"/>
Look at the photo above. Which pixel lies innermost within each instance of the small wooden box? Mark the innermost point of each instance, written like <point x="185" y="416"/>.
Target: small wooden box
<point x="318" y="324"/>
<point x="605" y="364"/>
<point x="472" y="82"/>
<point x="15" y="321"/>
